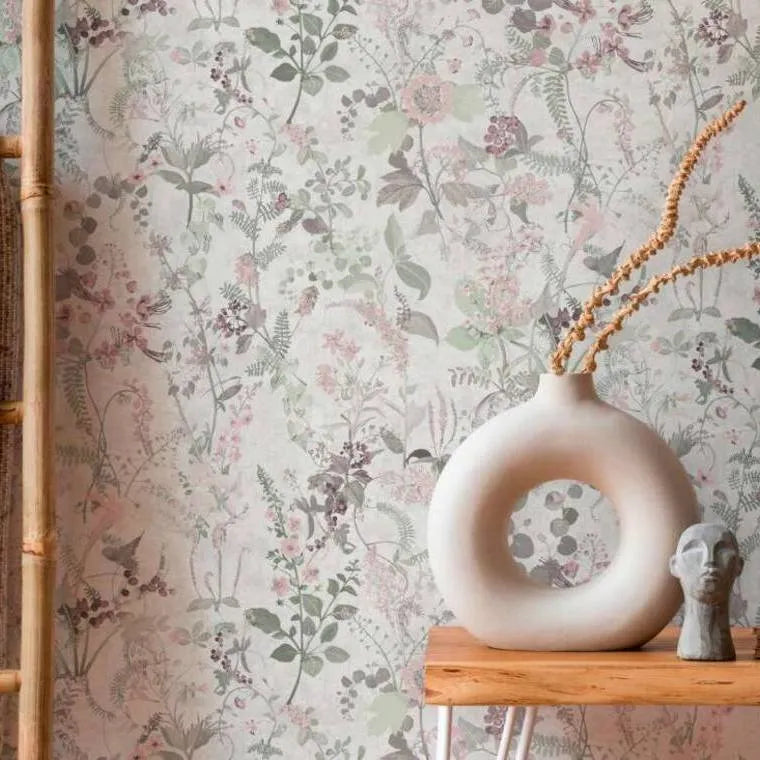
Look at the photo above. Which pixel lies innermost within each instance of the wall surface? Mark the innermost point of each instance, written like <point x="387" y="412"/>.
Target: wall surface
<point x="304" y="250"/>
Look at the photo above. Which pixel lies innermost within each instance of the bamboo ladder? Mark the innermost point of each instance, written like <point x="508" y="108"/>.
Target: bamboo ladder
<point x="34" y="680"/>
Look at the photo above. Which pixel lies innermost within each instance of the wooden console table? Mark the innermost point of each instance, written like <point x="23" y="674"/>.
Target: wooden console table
<point x="461" y="671"/>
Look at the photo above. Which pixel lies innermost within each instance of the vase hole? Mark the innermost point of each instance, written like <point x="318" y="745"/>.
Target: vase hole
<point x="563" y="533"/>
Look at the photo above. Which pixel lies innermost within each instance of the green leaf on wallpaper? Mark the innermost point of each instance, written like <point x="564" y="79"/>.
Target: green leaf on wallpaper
<point x="312" y="605"/>
<point x="284" y="653"/>
<point x="394" y="237"/>
<point x="428" y="223"/>
<point x="683" y="313"/>
<point x="263" y="619"/>
<point x="196" y="186"/>
<point x="329" y="51"/>
<point x="519" y="209"/>
<point x="312" y="665"/>
<point x="231" y="21"/>
<point x="473" y="152"/>
<point x="711" y="102"/>
<point x="336" y="654"/>
<point x="200" y="604"/>
<point x="329" y="632"/>
<point x="392" y="441"/>
<point x="200" y="23"/>
<point x="284" y="72"/>
<point x="387" y="713"/>
<point x="312" y="24"/>
<point x="344" y="31"/>
<point x="462" y="338"/>
<point x="421" y="324"/>
<point x="744" y="329"/>
<point x="414" y="275"/>
<point x="467" y="102"/>
<point x="312" y="84"/>
<point x="263" y="39"/>
<point x="390" y="129"/>
<point x="344" y="611"/>
<point x="333" y="6"/>
<point x="175" y="178"/>
<point x="358" y="283"/>
<point x="229" y="392"/>
<point x="336" y="73"/>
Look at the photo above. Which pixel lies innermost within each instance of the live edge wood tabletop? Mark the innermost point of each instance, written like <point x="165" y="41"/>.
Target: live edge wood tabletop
<point x="461" y="671"/>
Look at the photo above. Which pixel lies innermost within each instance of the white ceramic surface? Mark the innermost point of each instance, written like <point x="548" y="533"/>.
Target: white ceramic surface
<point x="564" y="432"/>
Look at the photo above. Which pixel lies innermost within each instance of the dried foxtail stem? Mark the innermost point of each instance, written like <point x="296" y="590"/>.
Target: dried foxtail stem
<point x="713" y="259"/>
<point x="661" y="236"/>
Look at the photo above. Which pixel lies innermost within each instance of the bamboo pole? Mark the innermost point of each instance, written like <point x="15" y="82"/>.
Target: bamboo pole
<point x="38" y="558"/>
<point x="11" y="412"/>
<point x="10" y="681"/>
<point x="10" y="146"/>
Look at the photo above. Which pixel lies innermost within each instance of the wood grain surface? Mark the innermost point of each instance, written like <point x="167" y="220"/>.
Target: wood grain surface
<point x="459" y="670"/>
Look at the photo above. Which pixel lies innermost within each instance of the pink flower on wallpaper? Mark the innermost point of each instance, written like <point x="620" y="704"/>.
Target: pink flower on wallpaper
<point x="294" y="523"/>
<point x="584" y="10"/>
<point x="537" y="57"/>
<point x="108" y="509"/>
<point x="281" y="585"/>
<point x="427" y="98"/>
<point x="415" y="486"/>
<point x="290" y="547"/>
<point x="297" y="134"/>
<point x="280" y="7"/>
<point x="223" y="187"/>
<point x="307" y="300"/>
<point x="529" y="189"/>
<point x="326" y="378"/>
<point x="245" y="269"/>
<point x="310" y="574"/>
<point x="588" y="63"/>
<point x="590" y="221"/>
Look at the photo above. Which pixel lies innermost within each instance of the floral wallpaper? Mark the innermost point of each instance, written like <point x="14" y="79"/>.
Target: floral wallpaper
<point x="303" y="248"/>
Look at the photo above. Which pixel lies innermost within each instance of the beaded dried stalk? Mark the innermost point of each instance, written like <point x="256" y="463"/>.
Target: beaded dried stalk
<point x="657" y="241"/>
<point x="713" y="259"/>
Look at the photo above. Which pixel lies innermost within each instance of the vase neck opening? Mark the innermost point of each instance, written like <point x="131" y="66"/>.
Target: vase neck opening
<point x="567" y="387"/>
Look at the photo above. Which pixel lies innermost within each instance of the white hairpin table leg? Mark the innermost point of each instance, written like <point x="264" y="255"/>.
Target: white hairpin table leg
<point x="527" y="733"/>
<point x="444" y="733"/>
<point x="506" y="734"/>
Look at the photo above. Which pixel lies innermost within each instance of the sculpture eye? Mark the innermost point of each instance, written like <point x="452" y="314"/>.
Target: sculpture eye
<point x="692" y="545"/>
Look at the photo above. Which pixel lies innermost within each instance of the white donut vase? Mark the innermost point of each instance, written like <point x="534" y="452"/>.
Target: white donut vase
<point x="564" y="432"/>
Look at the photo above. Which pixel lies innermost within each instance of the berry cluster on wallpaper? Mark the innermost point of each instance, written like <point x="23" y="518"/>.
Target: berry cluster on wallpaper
<point x="303" y="248"/>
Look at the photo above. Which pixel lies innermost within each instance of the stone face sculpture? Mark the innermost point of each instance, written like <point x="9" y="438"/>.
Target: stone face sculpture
<point x="707" y="562"/>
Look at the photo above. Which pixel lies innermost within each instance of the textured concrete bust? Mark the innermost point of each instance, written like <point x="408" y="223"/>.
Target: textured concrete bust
<point x="707" y="562"/>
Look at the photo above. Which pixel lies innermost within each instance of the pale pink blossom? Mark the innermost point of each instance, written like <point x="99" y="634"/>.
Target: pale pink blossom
<point x="245" y="269"/>
<point x="326" y="378"/>
<point x="223" y="187"/>
<point x="281" y="585"/>
<point x="290" y="547"/>
<point x="294" y="523"/>
<point x="427" y="98"/>
<point x="537" y="57"/>
<point x="310" y="574"/>
<point x="529" y="189"/>
<point x="591" y="221"/>
<point x="588" y="63"/>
